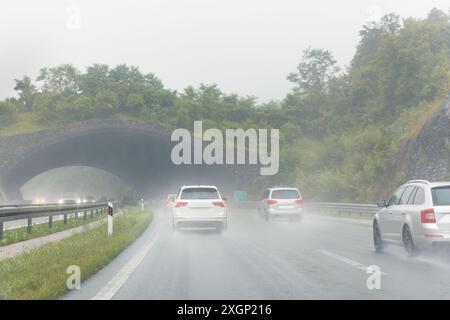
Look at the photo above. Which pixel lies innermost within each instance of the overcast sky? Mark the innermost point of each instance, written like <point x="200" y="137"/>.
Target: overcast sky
<point x="245" y="46"/>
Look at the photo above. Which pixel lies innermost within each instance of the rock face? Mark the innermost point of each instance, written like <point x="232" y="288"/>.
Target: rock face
<point x="427" y="156"/>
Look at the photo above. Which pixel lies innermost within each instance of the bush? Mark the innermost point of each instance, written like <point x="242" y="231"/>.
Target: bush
<point x="8" y="113"/>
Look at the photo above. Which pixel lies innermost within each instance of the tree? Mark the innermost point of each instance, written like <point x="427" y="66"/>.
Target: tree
<point x="95" y="79"/>
<point x="63" y="79"/>
<point x="314" y="71"/>
<point x="26" y="90"/>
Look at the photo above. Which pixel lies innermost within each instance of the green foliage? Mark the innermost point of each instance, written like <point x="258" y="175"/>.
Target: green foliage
<point x="41" y="273"/>
<point x="339" y="129"/>
<point x="8" y="113"/>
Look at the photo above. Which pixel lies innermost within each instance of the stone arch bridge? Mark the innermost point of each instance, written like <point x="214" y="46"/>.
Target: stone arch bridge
<point x="138" y="153"/>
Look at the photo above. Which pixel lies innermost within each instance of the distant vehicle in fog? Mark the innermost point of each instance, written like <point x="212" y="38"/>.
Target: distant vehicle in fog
<point x="70" y="197"/>
<point x="280" y="201"/>
<point x="200" y="205"/>
<point x="416" y="216"/>
<point x="39" y="200"/>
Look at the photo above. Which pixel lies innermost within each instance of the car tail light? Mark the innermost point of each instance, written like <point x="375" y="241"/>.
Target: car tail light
<point x="427" y="216"/>
<point x="271" y="202"/>
<point x="180" y="204"/>
<point x="299" y="201"/>
<point x="219" y="204"/>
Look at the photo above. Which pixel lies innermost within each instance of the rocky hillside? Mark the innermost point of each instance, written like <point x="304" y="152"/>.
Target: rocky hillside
<point x="426" y="155"/>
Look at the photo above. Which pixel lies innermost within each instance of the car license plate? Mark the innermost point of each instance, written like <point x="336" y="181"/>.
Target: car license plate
<point x="286" y="207"/>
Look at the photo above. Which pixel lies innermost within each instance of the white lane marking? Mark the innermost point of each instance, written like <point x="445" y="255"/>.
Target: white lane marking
<point x="122" y="276"/>
<point x="351" y="262"/>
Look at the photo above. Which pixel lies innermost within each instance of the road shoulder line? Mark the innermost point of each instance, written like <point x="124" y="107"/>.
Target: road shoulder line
<point x="113" y="286"/>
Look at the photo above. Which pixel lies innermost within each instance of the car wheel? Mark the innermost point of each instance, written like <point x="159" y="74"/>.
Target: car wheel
<point x="377" y="240"/>
<point x="408" y="241"/>
<point x="266" y="216"/>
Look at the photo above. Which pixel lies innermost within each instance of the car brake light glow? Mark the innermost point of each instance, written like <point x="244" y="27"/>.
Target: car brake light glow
<point x="271" y="202"/>
<point x="219" y="204"/>
<point x="427" y="216"/>
<point x="180" y="204"/>
<point x="299" y="201"/>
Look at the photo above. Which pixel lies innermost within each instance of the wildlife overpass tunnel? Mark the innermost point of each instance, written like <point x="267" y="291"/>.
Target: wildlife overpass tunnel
<point x="137" y="153"/>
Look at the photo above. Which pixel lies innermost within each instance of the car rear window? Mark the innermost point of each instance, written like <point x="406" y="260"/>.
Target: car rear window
<point x="199" y="193"/>
<point x="285" y="194"/>
<point x="441" y="196"/>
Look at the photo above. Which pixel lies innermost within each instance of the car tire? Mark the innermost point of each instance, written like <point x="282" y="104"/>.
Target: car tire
<point x="266" y="216"/>
<point x="378" y="242"/>
<point x="408" y="242"/>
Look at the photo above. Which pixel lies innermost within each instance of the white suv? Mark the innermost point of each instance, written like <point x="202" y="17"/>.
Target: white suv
<point x="417" y="215"/>
<point x="199" y="205"/>
<point x="280" y="201"/>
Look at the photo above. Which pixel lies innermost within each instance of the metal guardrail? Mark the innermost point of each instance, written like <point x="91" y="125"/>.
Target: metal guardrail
<point x="29" y="212"/>
<point x="343" y="207"/>
<point x="339" y="208"/>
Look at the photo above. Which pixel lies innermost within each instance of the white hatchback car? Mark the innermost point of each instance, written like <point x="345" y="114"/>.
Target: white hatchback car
<point x="417" y="215"/>
<point x="199" y="205"/>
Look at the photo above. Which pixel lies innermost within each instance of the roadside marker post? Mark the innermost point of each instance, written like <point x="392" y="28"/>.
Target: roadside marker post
<point x="110" y="218"/>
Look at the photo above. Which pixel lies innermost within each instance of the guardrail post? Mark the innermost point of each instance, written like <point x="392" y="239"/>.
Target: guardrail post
<point x="30" y="224"/>
<point x="1" y="230"/>
<point x="84" y="215"/>
<point x="92" y="213"/>
<point x="50" y="222"/>
<point x="65" y="218"/>
<point x="76" y="214"/>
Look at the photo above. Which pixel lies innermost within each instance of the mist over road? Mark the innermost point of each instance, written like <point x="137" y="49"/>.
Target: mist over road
<point x="315" y="258"/>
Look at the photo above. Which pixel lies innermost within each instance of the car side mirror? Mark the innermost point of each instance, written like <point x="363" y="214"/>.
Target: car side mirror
<point x="382" y="204"/>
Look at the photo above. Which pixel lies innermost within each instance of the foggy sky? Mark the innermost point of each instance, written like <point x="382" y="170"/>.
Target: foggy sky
<point x="245" y="46"/>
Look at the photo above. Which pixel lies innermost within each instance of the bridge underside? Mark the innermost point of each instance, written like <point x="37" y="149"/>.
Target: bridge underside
<point x="140" y="158"/>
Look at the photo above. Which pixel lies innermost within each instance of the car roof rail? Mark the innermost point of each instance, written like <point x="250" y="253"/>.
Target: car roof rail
<point x="419" y="181"/>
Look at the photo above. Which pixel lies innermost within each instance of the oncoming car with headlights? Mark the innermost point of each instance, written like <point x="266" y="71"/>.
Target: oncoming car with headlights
<point x="200" y="205"/>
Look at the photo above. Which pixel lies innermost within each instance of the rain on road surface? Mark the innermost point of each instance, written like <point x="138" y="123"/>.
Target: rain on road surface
<point x="315" y="258"/>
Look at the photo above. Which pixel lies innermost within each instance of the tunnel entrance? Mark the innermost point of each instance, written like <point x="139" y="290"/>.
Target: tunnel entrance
<point x="138" y="154"/>
<point x="49" y="186"/>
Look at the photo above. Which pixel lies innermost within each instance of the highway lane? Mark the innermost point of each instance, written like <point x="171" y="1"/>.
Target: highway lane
<point x="315" y="258"/>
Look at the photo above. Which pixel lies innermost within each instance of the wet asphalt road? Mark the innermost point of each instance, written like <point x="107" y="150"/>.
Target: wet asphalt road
<point x="314" y="258"/>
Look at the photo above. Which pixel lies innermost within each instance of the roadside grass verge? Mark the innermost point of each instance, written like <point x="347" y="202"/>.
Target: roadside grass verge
<point x="11" y="236"/>
<point x="41" y="273"/>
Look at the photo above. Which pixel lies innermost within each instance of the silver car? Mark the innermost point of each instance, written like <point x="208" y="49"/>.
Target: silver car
<point x="280" y="201"/>
<point x="416" y="216"/>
